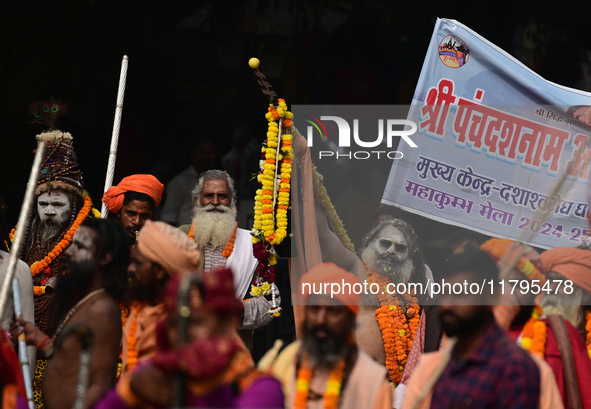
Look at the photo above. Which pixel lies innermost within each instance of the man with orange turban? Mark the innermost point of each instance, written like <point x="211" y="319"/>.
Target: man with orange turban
<point x="161" y="251"/>
<point x="133" y="201"/>
<point x="327" y="368"/>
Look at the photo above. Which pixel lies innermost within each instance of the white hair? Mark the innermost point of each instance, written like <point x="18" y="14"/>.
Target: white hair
<point x="217" y="175"/>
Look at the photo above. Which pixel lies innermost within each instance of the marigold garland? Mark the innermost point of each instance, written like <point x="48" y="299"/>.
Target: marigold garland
<point x="588" y="329"/>
<point x="322" y="198"/>
<point x="42" y="264"/>
<point x="228" y="248"/>
<point x="39" y="266"/>
<point x="398" y="328"/>
<point x="272" y="200"/>
<point x="132" y="354"/>
<point x="535" y="334"/>
<point x="332" y="392"/>
<point x="500" y="248"/>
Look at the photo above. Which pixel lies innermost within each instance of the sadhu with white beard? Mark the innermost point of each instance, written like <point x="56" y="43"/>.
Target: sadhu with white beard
<point x="574" y="264"/>
<point x="224" y="245"/>
<point x="390" y="254"/>
<point x="556" y="330"/>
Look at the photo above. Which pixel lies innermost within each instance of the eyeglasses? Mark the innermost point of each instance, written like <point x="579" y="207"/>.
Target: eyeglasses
<point x="398" y="248"/>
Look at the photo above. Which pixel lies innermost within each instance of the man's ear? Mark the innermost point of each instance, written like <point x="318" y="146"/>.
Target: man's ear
<point x="105" y="259"/>
<point x="160" y="271"/>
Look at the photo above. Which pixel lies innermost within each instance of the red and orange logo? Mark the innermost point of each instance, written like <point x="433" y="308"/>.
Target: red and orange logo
<point x="453" y="52"/>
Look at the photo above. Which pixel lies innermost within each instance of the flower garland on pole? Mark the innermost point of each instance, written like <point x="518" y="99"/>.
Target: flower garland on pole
<point x="272" y="198"/>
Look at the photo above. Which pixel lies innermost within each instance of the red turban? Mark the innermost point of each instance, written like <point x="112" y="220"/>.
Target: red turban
<point x="572" y="263"/>
<point x="324" y="278"/>
<point x="218" y="294"/>
<point x="146" y="184"/>
<point x="206" y="357"/>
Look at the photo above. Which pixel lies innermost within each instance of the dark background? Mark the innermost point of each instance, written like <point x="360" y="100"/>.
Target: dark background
<point x="188" y="75"/>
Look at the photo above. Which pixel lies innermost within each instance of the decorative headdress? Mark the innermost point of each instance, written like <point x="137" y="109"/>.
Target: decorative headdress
<point x="59" y="169"/>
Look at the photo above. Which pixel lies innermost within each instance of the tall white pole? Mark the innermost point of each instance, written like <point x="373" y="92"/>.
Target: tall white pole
<point x="22" y="345"/>
<point x="23" y="222"/>
<point x="115" y="136"/>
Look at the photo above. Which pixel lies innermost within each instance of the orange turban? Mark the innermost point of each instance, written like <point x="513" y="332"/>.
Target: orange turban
<point x="572" y="263"/>
<point x="328" y="279"/>
<point x="146" y="184"/>
<point x="168" y="246"/>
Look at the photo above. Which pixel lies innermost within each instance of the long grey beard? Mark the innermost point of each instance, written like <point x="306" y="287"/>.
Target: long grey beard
<point x="572" y="312"/>
<point x="396" y="272"/>
<point x="213" y="228"/>
<point x="50" y="231"/>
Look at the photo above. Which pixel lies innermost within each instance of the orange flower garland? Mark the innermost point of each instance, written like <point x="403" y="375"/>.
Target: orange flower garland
<point x="332" y="393"/>
<point x="588" y="328"/>
<point x="398" y="329"/>
<point x="228" y="248"/>
<point x="535" y="334"/>
<point x="132" y="355"/>
<point x="41" y="265"/>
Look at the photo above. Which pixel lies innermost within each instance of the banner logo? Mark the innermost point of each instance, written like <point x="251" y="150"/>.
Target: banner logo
<point x="453" y="52"/>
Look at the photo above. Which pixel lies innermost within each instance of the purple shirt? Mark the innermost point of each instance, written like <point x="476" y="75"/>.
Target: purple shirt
<point x="496" y="374"/>
<point x="263" y="393"/>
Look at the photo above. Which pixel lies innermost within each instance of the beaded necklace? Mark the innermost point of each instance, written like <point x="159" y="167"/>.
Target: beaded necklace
<point x="72" y="311"/>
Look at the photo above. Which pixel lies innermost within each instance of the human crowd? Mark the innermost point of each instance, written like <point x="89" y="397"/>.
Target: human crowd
<point x="131" y="312"/>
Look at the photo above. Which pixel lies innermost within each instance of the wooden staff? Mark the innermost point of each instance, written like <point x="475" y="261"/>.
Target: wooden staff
<point x="22" y="345"/>
<point x="23" y="222"/>
<point x="115" y="136"/>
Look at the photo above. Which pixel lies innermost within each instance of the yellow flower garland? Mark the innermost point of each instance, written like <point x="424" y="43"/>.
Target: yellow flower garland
<point x="272" y="200"/>
<point x="321" y="196"/>
<point x="270" y="219"/>
<point x="332" y="393"/>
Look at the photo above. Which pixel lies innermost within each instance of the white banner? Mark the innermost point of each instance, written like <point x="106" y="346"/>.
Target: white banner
<point x="494" y="139"/>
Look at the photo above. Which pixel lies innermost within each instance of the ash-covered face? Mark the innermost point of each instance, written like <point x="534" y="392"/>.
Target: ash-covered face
<point x="389" y="253"/>
<point x="54" y="206"/>
<point x="54" y="209"/>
